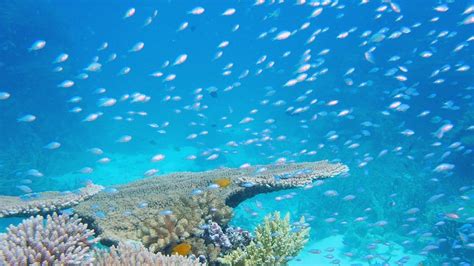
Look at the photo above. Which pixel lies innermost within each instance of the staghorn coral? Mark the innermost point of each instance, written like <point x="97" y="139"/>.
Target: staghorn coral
<point x="47" y="202"/>
<point x="167" y="192"/>
<point x="126" y="254"/>
<point x="275" y="243"/>
<point x="59" y="240"/>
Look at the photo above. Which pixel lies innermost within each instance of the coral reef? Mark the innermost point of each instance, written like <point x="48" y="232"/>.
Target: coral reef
<point x="59" y="240"/>
<point x="455" y="244"/>
<point x="228" y="240"/>
<point x="214" y="233"/>
<point x="46" y="202"/>
<point x="291" y="177"/>
<point x="182" y="249"/>
<point x="238" y="237"/>
<point x="207" y="252"/>
<point x="223" y="182"/>
<point x="214" y="242"/>
<point x="167" y="193"/>
<point x="276" y="242"/>
<point x="158" y="233"/>
<point x="212" y="207"/>
<point x="126" y="254"/>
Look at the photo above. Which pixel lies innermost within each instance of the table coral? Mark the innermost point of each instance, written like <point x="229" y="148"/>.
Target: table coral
<point x="121" y="218"/>
<point x="223" y="182"/>
<point x="288" y="175"/>
<point x="46" y="202"/>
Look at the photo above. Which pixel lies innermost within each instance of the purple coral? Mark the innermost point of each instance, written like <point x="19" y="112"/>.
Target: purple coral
<point x="61" y="239"/>
<point x="234" y="237"/>
<point x="238" y="237"/>
<point x="215" y="234"/>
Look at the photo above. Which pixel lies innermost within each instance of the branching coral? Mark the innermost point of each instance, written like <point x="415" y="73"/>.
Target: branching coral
<point x="126" y="254"/>
<point x="59" y="240"/>
<point x="275" y="243"/>
<point x="158" y="233"/>
<point x="211" y="206"/>
<point x="200" y="248"/>
<point x="47" y="202"/>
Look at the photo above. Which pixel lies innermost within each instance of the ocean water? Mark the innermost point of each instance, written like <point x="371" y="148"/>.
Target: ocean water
<point x="384" y="87"/>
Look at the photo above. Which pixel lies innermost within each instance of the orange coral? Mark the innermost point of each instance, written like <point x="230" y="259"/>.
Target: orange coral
<point x="223" y="182"/>
<point x="182" y="249"/>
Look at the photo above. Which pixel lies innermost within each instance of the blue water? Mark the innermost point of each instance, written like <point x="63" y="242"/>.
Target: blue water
<point x="390" y="172"/>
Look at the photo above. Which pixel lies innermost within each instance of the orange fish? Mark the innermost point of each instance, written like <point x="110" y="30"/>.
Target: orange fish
<point x="182" y="249"/>
<point x="223" y="182"/>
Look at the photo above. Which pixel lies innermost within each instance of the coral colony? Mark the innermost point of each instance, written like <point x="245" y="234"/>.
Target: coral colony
<point x="188" y="228"/>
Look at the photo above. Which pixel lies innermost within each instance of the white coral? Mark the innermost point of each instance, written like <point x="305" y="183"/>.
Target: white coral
<point x="61" y="239"/>
<point x="135" y="254"/>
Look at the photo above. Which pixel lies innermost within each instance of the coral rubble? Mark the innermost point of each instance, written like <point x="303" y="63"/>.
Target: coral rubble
<point x="122" y="217"/>
<point x="59" y="240"/>
<point x="47" y="202"/>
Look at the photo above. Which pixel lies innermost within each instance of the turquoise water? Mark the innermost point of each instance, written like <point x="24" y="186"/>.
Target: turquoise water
<point x="383" y="87"/>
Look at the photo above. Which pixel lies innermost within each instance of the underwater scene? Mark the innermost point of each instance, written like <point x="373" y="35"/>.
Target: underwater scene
<point x="237" y="132"/>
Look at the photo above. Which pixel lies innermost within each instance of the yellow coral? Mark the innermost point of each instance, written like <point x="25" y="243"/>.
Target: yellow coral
<point x="182" y="249"/>
<point x="276" y="240"/>
<point x="223" y="182"/>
